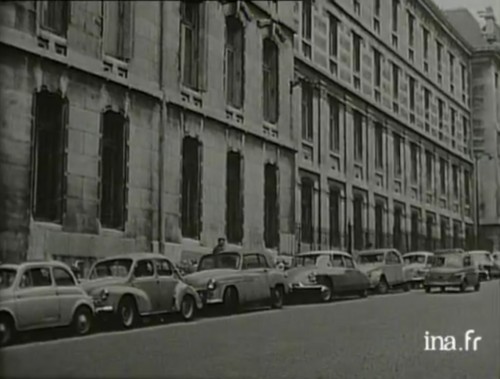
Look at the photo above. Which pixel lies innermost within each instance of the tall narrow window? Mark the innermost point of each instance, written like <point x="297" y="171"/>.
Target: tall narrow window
<point x="358" y="221"/>
<point x="271" y="216"/>
<point x="270" y="75"/>
<point x="452" y="71"/>
<point x="429" y="226"/>
<point x="443" y="175"/>
<point x="191" y="188"/>
<point x="356" y="52"/>
<point x="113" y="170"/>
<point x="234" y="198"/>
<point x="376" y="7"/>
<point x="456" y="234"/>
<point x="444" y="232"/>
<point x="307" y="111"/>
<point x="234" y="62"/>
<point x="465" y="126"/>
<point x="395" y="82"/>
<point x="427" y="102"/>
<point x="191" y="43"/>
<point x="463" y="72"/>
<point x="415" y="226"/>
<point x="334" y="203"/>
<point x="397" y="154"/>
<point x="467" y="187"/>
<point x="453" y="116"/>
<point x="395" y="15"/>
<point x="333" y="36"/>
<point x="358" y="136"/>
<point x="379" y="224"/>
<point x="118" y="29"/>
<point x="454" y="175"/>
<point x="397" y="232"/>
<point x="414" y="149"/>
<point x="379" y="146"/>
<point x="412" y="85"/>
<point x="334" y="123"/>
<point x="429" y="169"/>
<point x="439" y="55"/>
<point x="425" y="43"/>
<point x="440" y="113"/>
<point x="306" y="19"/>
<point x="49" y="156"/>
<point x="55" y="16"/>
<point x="306" y="195"/>
<point x="411" y="29"/>
<point x="377" y="70"/>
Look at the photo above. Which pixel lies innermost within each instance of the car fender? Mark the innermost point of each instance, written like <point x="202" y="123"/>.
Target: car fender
<point x="7" y="310"/>
<point x="141" y="298"/>
<point x="278" y="278"/>
<point x="183" y="289"/>
<point x="85" y="302"/>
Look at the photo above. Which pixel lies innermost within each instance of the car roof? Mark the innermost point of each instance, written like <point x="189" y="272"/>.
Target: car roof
<point x="449" y="251"/>
<point x="134" y="255"/>
<point x="376" y="251"/>
<point x="34" y="263"/>
<point x="478" y="252"/>
<point x="324" y="252"/>
<point x="418" y="253"/>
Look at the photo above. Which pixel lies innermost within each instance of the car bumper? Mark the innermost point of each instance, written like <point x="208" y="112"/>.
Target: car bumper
<point x="442" y="283"/>
<point x="302" y="288"/>
<point x="210" y="297"/>
<point x="104" y="309"/>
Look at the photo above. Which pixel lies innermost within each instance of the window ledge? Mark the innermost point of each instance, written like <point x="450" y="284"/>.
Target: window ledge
<point x="53" y="225"/>
<point x="234" y="113"/>
<point x="190" y="241"/>
<point x="53" y="36"/>
<point x="115" y="61"/>
<point x="335" y="154"/>
<point x="308" y="143"/>
<point x="112" y="232"/>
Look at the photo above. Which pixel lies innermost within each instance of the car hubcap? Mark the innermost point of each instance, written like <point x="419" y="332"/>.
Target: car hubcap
<point x="4" y="332"/>
<point x="277" y="296"/>
<point x="83" y="323"/>
<point x="326" y="294"/>
<point x="187" y="308"/>
<point x="127" y="315"/>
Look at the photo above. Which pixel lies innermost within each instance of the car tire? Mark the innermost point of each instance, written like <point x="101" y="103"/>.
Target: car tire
<point x="127" y="313"/>
<point x="442" y="289"/>
<point x="427" y="289"/>
<point x="363" y="293"/>
<point x="326" y="295"/>
<point x="463" y="286"/>
<point x="406" y="287"/>
<point x="188" y="307"/>
<point x="382" y="286"/>
<point x="82" y="321"/>
<point x="277" y="297"/>
<point x="231" y="300"/>
<point x="477" y="287"/>
<point x="7" y="330"/>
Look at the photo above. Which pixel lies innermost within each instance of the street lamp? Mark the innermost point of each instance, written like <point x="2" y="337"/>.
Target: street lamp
<point x="477" y="156"/>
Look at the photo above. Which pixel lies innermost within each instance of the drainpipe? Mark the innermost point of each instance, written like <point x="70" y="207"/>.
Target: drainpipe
<point x="161" y="153"/>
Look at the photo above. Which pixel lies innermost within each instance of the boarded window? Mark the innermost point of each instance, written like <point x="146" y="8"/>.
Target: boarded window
<point x="49" y="156"/>
<point x="271" y="217"/>
<point x="118" y="29"/>
<point x="191" y="188"/>
<point x="306" y="197"/>
<point x="270" y="81"/>
<point x="234" y="198"/>
<point x="55" y="16"/>
<point x="334" y="202"/>
<point x="113" y="170"/>
<point x="234" y="62"/>
<point x="307" y="111"/>
<point x="191" y="43"/>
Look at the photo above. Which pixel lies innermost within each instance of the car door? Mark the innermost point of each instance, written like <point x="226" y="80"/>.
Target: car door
<point x="471" y="272"/>
<point x="393" y="268"/>
<point x="354" y="278"/>
<point x="37" y="305"/>
<point x="144" y="278"/>
<point x="253" y="278"/>
<point x="68" y="293"/>
<point x="167" y="282"/>
<point x="337" y="273"/>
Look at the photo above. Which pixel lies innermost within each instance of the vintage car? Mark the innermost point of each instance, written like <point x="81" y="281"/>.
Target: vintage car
<point x="452" y="270"/>
<point x="327" y="273"/>
<point x="133" y="285"/>
<point x="495" y="256"/>
<point x="44" y="294"/>
<point x="384" y="268"/>
<point x="484" y="262"/>
<point x="417" y="265"/>
<point x="238" y="278"/>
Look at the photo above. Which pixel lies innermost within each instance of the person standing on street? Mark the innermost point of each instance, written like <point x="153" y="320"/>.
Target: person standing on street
<point x="220" y="247"/>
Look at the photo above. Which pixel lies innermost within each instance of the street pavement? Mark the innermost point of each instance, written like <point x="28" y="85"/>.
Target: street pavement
<point x="380" y="337"/>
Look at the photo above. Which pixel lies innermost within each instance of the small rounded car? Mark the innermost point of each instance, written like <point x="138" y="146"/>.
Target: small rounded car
<point x="133" y="285"/>
<point x="238" y="278"/>
<point x="327" y="273"/>
<point x="384" y="268"/>
<point x="417" y="264"/>
<point x="452" y="270"/>
<point x="38" y="295"/>
<point x="484" y="262"/>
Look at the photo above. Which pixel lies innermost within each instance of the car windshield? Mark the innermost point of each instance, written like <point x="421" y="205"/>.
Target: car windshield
<point x="115" y="268"/>
<point x="7" y="276"/>
<point x="448" y="261"/>
<point x="224" y="260"/>
<point x="481" y="257"/>
<point x="414" y="259"/>
<point x="311" y="260"/>
<point x="371" y="258"/>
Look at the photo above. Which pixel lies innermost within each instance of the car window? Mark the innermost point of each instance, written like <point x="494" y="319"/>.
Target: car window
<point x="392" y="257"/>
<point x="467" y="261"/>
<point x="337" y="261"/>
<point x="250" y="262"/>
<point x="7" y="276"/>
<point x="349" y="263"/>
<point x="63" y="277"/>
<point x="263" y="261"/>
<point x="163" y="267"/>
<point x="144" y="268"/>
<point x="36" y="277"/>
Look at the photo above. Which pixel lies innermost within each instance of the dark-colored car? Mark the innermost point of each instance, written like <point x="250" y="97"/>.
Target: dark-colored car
<point x="452" y="270"/>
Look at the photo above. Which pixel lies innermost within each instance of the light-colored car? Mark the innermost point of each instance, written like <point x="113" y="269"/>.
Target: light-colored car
<point x="239" y="278"/>
<point x="38" y="295"/>
<point x="484" y="262"/>
<point x="495" y="256"/>
<point x="385" y="269"/>
<point x="417" y="264"/>
<point x="133" y="285"/>
<point x="452" y="270"/>
<point x="327" y="273"/>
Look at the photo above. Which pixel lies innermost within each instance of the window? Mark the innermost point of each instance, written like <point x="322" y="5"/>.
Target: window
<point x="397" y="154"/>
<point x="411" y="29"/>
<point x="348" y="262"/>
<point x="234" y="62"/>
<point x="377" y="62"/>
<point x="395" y="81"/>
<point x="191" y="188"/>
<point x="379" y="224"/>
<point x="415" y="226"/>
<point x="356" y="52"/>
<point x="36" y="277"/>
<point x="358" y="136"/>
<point x="452" y="70"/>
<point x="234" y="198"/>
<point x="414" y="150"/>
<point x="496" y="80"/>
<point x="271" y="217"/>
<point x="55" y="16"/>
<point x="307" y="111"/>
<point x="307" y="190"/>
<point x="62" y="277"/>
<point x="453" y="115"/>
<point x="163" y="267"/>
<point x="306" y="19"/>
<point x="118" y="29"/>
<point x="379" y="146"/>
<point x="144" y="269"/>
<point x="467" y="187"/>
<point x="392" y="258"/>
<point x="333" y="36"/>
<point x="263" y="262"/>
<point x="429" y="168"/>
<point x="429" y="226"/>
<point x="412" y="84"/>
<point x="425" y="43"/>
<point x="439" y="55"/>
<point x="191" y="43"/>
<point x="357" y="7"/>
<point x="334" y="123"/>
<point x="337" y="260"/>
<point x="51" y="115"/>
<point x="376" y="8"/>
<point x="442" y="174"/>
<point x="358" y="221"/>
<point x="440" y="113"/>
<point x="397" y="235"/>
<point x="427" y="102"/>
<point x="113" y="170"/>
<point x="444" y="236"/>
<point x="334" y="203"/>
<point x="455" y="180"/>
<point x="465" y="125"/>
<point x="270" y="75"/>
<point x="463" y="71"/>
<point x="395" y="6"/>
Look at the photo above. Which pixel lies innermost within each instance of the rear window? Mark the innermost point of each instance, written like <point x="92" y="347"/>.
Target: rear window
<point x="7" y="276"/>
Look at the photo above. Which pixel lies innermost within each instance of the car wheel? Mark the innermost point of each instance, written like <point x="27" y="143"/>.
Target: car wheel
<point x="406" y="287"/>
<point x="127" y="312"/>
<point x="231" y="300"/>
<point x="382" y="286"/>
<point x="277" y="296"/>
<point x="188" y="307"/>
<point x="7" y="330"/>
<point x="427" y="289"/>
<point x="327" y="291"/>
<point x="442" y="289"/>
<point x="363" y="293"/>
<point x="82" y="321"/>
<point x="463" y="286"/>
<point x="477" y="287"/>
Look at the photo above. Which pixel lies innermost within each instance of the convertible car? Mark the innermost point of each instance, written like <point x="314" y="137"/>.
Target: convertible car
<point x="327" y="273"/>
<point x="234" y="279"/>
<point x="452" y="270"/>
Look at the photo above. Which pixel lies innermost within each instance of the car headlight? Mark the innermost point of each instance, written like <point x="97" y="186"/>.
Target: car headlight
<point x="312" y="277"/>
<point x="211" y="284"/>
<point x="104" y="294"/>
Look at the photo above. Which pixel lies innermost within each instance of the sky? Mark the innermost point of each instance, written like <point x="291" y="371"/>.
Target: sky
<point x="473" y="5"/>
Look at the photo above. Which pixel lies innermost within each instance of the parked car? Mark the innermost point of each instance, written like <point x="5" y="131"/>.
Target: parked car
<point x="496" y="264"/>
<point x="484" y="262"/>
<point x="327" y="273"/>
<point x="385" y="269"/>
<point x="452" y="270"/>
<point x="235" y="279"/>
<point x="417" y="265"/>
<point x="140" y="284"/>
<point x="38" y="295"/>
<point x="449" y="251"/>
